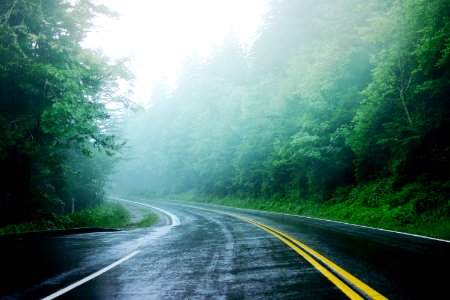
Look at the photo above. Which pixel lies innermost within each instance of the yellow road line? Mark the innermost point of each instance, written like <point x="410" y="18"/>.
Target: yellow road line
<point x="336" y="281"/>
<point x="343" y="273"/>
<point x="317" y="260"/>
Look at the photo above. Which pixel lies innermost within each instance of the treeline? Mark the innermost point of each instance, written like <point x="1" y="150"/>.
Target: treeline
<point x="335" y="100"/>
<point x="53" y="118"/>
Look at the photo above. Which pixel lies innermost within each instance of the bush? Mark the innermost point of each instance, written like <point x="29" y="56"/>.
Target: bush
<point x="108" y="215"/>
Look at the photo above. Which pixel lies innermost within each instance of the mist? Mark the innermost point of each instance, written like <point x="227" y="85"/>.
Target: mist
<point x="334" y="109"/>
<point x="224" y="148"/>
<point x="330" y="102"/>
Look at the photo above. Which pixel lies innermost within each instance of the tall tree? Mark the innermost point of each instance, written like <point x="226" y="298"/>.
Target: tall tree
<point x="399" y="126"/>
<point x="52" y="100"/>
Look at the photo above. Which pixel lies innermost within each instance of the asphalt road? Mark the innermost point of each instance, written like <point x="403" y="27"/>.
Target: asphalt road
<point x="209" y="252"/>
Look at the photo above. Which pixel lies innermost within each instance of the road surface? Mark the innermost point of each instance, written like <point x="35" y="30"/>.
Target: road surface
<point x="211" y="252"/>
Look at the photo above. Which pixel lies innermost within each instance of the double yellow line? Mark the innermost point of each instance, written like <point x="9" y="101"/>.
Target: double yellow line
<point x="346" y="282"/>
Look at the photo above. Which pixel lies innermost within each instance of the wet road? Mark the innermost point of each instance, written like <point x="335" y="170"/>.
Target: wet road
<point x="209" y="252"/>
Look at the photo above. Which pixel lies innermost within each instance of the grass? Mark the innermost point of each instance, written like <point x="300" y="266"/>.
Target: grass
<point x="107" y="215"/>
<point x="374" y="205"/>
<point x="147" y="221"/>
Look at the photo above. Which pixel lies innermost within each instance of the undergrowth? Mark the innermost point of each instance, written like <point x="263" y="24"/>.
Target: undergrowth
<point x="106" y="215"/>
<point x="416" y="208"/>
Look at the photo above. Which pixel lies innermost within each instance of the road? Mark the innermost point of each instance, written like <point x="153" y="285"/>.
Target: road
<point x="210" y="252"/>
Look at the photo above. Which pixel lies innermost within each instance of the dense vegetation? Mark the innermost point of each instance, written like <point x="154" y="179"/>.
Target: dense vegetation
<point x="104" y="215"/>
<point x="336" y="102"/>
<point x="338" y="109"/>
<point x="54" y="139"/>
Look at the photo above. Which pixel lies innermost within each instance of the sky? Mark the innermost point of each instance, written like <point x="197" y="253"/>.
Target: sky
<point x="158" y="34"/>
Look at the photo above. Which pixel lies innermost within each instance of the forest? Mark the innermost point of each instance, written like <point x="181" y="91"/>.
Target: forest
<point x="340" y="104"/>
<point x="338" y="109"/>
<point x="55" y="140"/>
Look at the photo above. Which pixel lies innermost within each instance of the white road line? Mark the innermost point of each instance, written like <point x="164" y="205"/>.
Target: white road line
<point x="319" y="219"/>
<point x="174" y="220"/>
<point x="92" y="276"/>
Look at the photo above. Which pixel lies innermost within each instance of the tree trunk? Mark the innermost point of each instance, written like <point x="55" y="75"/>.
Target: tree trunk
<point x="402" y="98"/>
<point x="402" y="89"/>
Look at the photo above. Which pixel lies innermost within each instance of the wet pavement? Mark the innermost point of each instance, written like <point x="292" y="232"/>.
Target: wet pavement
<point x="207" y="255"/>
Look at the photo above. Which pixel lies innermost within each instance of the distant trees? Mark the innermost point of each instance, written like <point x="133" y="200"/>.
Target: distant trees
<point x="399" y="127"/>
<point x="332" y="95"/>
<point x="52" y="113"/>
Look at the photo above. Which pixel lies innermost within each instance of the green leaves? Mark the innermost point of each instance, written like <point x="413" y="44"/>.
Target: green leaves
<point x="330" y="97"/>
<point x="52" y="100"/>
<point x="17" y="134"/>
<point x="406" y="95"/>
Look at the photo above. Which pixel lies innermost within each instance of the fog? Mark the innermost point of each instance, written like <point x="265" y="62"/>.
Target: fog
<point x="334" y="102"/>
<point x="288" y="117"/>
<point x="157" y="37"/>
<point x="338" y="104"/>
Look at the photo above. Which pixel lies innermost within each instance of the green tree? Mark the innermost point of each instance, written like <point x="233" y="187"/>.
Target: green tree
<point x="335" y="100"/>
<point x="52" y="101"/>
<point x="399" y="128"/>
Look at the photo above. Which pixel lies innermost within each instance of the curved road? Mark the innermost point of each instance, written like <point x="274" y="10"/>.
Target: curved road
<point x="204" y="251"/>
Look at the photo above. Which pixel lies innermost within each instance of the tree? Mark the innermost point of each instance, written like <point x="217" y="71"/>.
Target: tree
<point x="52" y="100"/>
<point x="399" y="126"/>
<point x="334" y="97"/>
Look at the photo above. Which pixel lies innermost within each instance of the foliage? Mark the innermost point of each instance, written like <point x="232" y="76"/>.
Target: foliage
<point x="147" y="221"/>
<point x="52" y="96"/>
<point x="404" y="218"/>
<point x="399" y="127"/>
<point x="338" y="103"/>
<point x="106" y="215"/>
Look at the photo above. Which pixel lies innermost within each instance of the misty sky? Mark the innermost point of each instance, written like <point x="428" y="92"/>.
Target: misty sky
<point x="159" y="34"/>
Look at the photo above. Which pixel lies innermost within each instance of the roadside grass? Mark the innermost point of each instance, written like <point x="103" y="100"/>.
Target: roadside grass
<point x="381" y="209"/>
<point x="147" y="221"/>
<point x="108" y="215"/>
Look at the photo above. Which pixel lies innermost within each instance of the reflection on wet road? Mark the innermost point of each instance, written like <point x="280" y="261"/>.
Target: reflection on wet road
<point x="199" y="253"/>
